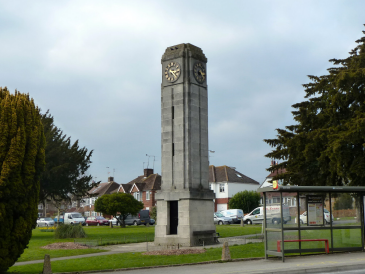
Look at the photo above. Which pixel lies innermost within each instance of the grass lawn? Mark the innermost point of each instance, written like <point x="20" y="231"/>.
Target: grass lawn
<point x="237" y="230"/>
<point x="102" y="235"/>
<point x="129" y="260"/>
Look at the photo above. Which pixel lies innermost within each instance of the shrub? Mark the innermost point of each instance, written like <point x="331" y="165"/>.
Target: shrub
<point x="69" y="231"/>
<point x="22" y="145"/>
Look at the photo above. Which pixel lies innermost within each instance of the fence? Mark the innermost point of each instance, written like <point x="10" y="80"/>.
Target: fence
<point x="344" y="213"/>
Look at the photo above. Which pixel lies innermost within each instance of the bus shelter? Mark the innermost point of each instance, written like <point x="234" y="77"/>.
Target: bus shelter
<point x="303" y="219"/>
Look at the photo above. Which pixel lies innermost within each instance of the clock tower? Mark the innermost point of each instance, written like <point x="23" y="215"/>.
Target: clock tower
<point x="185" y="203"/>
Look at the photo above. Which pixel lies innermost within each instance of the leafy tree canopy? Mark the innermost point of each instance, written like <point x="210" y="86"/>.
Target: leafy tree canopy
<point x="245" y="200"/>
<point x="119" y="205"/>
<point x="344" y="201"/>
<point x="22" y="145"/>
<point x="65" y="175"/>
<point x="326" y="145"/>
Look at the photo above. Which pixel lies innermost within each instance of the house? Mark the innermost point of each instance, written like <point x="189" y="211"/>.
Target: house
<point x="144" y="188"/>
<point x="225" y="181"/>
<point x="87" y="205"/>
<point x="268" y="179"/>
<point x="273" y="198"/>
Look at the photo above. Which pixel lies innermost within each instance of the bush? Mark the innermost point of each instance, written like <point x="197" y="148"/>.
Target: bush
<point x="69" y="231"/>
<point x="22" y="145"/>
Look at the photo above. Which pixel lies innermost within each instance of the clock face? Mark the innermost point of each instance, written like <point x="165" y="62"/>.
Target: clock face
<point x="172" y="71"/>
<point x="199" y="72"/>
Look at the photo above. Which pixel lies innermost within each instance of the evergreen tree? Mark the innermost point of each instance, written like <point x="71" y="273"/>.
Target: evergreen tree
<point x="22" y="145"/>
<point x="245" y="200"/>
<point x="65" y="174"/>
<point x="120" y="205"/>
<point x="326" y="146"/>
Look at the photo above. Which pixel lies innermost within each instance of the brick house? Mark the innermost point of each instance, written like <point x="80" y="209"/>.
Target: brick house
<point x="87" y="205"/>
<point x="225" y="181"/>
<point x="144" y="188"/>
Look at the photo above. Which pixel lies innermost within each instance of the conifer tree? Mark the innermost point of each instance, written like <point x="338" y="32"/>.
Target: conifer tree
<point x="22" y="145"/>
<point x="65" y="174"/>
<point x="327" y="145"/>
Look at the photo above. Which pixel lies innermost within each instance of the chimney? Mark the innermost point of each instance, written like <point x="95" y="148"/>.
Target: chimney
<point x="110" y="179"/>
<point x="272" y="163"/>
<point x="148" y="172"/>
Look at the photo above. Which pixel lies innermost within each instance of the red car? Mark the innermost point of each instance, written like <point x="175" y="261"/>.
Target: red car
<point x="96" y="221"/>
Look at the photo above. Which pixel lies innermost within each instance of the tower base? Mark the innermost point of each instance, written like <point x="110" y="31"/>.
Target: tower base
<point x="195" y="225"/>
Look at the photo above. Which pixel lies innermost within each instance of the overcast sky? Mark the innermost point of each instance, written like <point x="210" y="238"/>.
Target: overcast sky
<point x="96" y="65"/>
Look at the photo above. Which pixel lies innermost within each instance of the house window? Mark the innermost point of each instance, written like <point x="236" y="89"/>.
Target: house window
<point x="147" y="195"/>
<point x="136" y="196"/>
<point x="40" y="206"/>
<point x="93" y="214"/>
<point x="221" y="187"/>
<point x="87" y="213"/>
<point x="276" y="200"/>
<point x="211" y="186"/>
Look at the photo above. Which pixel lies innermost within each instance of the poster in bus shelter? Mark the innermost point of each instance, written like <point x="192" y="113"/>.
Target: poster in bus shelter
<point x="315" y="210"/>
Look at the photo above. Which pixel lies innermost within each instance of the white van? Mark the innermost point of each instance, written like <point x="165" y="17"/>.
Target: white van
<point x="235" y="214"/>
<point x="73" y="218"/>
<point x="272" y="215"/>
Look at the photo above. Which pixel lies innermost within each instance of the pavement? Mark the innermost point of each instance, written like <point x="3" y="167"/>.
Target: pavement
<point x="298" y="264"/>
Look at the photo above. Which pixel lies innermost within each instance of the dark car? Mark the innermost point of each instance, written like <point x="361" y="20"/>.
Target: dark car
<point x="142" y="218"/>
<point x="152" y="221"/>
<point x="96" y="221"/>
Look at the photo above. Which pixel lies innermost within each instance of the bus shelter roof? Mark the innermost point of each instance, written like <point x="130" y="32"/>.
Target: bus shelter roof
<point x="288" y="188"/>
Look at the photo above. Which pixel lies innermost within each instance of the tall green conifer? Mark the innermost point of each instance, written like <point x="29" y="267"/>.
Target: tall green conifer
<point x="327" y="145"/>
<point x="22" y="145"/>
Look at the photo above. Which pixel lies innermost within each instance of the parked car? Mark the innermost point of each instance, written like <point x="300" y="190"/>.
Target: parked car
<point x="220" y="219"/>
<point x="326" y="215"/>
<point x="74" y="218"/>
<point x="235" y="214"/>
<point x="272" y="214"/>
<point x="132" y="220"/>
<point x="96" y="221"/>
<point x="45" y="222"/>
<point x="144" y="216"/>
<point x="114" y="221"/>
<point x="152" y="221"/>
<point x="61" y="219"/>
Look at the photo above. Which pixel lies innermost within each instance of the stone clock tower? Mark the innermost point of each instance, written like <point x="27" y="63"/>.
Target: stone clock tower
<point x="185" y="203"/>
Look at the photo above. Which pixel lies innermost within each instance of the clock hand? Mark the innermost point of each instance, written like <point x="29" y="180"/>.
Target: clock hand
<point x="173" y="72"/>
<point x="202" y="73"/>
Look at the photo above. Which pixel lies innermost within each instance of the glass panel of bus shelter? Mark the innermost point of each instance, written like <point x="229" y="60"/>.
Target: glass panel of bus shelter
<point x="291" y="238"/>
<point x="290" y="209"/>
<point x="347" y="237"/>
<point x="273" y="205"/>
<point x="272" y="240"/>
<point x="345" y="209"/>
<point x="317" y="237"/>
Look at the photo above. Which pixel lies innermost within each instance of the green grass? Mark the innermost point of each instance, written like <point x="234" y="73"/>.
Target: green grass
<point x="103" y="235"/>
<point x="237" y="230"/>
<point x="130" y="260"/>
<point x="39" y="239"/>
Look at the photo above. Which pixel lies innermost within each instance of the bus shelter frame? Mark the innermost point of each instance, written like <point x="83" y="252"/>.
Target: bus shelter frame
<point x="360" y="191"/>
